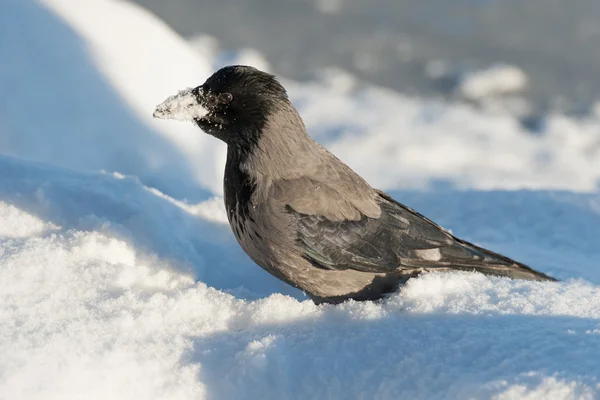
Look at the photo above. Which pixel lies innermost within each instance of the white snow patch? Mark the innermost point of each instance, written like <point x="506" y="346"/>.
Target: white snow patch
<point x="212" y="209"/>
<point x="496" y="80"/>
<point x="419" y="144"/>
<point x="338" y="80"/>
<point x="477" y="294"/>
<point x="182" y="106"/>
<point x="15" y="223"/>
<point x="84" y="324"/>
<point x="537" y="387"/>
<point x="110" y="78"/>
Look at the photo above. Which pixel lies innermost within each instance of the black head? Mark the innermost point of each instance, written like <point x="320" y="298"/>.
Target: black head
<point x="232" y="105"/>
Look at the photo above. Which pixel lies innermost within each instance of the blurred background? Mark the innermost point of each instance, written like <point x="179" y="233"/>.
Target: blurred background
<point x="418" y="47"/>
<point x="468" y="94"/>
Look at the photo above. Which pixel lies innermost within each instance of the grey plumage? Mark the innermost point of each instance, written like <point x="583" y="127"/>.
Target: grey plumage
<point x="305" y="216"/>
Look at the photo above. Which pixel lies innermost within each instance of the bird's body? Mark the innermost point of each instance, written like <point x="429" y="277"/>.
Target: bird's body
<point x="305" y="216"/>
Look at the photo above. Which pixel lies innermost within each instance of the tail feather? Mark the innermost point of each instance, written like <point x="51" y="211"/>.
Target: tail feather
<point x="515" y="271"/>
<point x="488" y="263"/>
<point x="497" y="264"/>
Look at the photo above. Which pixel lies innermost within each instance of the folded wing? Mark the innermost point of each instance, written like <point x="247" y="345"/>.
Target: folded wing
<point x="335" y="234"/>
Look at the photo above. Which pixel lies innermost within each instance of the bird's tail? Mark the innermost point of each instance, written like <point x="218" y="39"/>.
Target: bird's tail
<point x="484" y="261"/>
<point x="497" y="264"/>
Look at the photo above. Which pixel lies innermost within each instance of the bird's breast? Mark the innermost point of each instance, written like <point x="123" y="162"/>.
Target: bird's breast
<point x="239" y="189"/>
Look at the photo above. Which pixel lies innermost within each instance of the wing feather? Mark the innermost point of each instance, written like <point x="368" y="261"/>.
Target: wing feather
<point x="334" y="233"/>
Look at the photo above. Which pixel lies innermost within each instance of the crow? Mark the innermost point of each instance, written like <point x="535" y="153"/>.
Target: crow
<point x="305" y="216"/>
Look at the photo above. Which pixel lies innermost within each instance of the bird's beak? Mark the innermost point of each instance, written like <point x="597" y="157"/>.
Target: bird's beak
<point x="183" y="106"/>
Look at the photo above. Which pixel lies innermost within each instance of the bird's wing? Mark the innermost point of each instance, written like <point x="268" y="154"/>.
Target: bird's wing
<point x="399" y="239"/>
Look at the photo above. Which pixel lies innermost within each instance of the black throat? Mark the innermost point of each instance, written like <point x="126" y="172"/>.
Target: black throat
<point x="238" y="186"/>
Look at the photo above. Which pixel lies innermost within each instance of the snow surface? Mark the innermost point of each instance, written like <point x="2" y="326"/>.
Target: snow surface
<point x="122" y="280"/>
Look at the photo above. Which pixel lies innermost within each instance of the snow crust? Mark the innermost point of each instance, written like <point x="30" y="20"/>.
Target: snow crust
<point x="121" y="279"/>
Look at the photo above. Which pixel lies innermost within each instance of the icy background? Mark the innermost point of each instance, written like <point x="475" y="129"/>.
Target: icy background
<point x="121" y="280"/>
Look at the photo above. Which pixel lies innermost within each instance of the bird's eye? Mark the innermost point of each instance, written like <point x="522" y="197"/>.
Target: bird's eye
<point x="225" y="98"/>
<point x="212" y="99"/>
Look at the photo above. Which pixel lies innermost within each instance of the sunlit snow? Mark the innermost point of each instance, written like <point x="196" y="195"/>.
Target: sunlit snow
<point x="183" y="106"/>
<point x="121" y="279"/>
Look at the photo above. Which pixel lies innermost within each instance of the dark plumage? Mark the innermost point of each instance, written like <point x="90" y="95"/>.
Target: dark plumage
<point x="305" y="216"/>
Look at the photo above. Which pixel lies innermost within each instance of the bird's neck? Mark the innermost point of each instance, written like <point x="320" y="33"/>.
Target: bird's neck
<point x="283" y="149"/>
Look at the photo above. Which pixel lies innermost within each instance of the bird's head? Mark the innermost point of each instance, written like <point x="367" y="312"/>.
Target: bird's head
<point x="233" y="105"/>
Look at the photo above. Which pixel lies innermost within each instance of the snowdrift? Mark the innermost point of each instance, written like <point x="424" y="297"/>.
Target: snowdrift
<point x="120" y="277"/>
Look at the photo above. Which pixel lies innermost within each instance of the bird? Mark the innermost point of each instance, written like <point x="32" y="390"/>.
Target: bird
<point x="306" y="217"/>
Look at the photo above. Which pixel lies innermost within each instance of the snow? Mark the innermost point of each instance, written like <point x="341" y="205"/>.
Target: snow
<point x="121" y="278"/>
<point x="182" y="106"/>
<point x="113" y="65"/>
<point x="16" y="224"/>
<point x="422" y="143"/>
<point x="496" y="80"/>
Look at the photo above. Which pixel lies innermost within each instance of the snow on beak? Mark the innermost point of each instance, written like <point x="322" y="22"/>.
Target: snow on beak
<point x="183" y="106"/>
